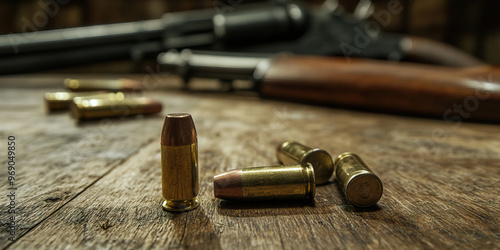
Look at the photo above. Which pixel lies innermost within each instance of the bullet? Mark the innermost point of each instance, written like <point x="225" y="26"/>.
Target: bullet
<point x="266" y="183"/>
<point x="291" y="152"/>
<point x="179" y="163"/>
<point x="112" y="105"/>
<point x="55" y="101"/>
<point x="360" y="185"/>
<point x="112" y="85"/>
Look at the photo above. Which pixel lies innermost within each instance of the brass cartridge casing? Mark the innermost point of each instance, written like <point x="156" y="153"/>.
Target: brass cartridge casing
<point x="112" y="105"/>
<point x="60" y="100"/>
<point x="266" y="183"/>
<point x="179" y="163"/>
<point x="112" y="85"/>
<point x="291" y="152"/>
<point x="360" y="185"/>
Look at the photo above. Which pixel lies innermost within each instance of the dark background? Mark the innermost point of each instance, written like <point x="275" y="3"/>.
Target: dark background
<point x="470" y="25"/>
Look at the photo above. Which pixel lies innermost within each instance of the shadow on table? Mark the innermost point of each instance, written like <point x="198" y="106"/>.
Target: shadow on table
<point x="264" y="208"/>
<point x="107" y="121"/>
<point x="329" y="199"/>
<point x="193" y="230"/>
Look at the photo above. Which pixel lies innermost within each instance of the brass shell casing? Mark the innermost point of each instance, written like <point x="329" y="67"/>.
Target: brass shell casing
<point x="179" y="172"/>
<point x="266" y="183"/>
<point x="55" y="101"/>
<point x="291" y="152"/>
<point x="120" y="84"/>
<point x="279" y="182"/>
<point x="112" y="105"/>
<point x="360" y="185"/>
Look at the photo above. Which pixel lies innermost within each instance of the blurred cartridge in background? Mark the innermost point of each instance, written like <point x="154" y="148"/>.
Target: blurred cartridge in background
<point x="112" y="105"/>
<point x="57" y="101"/>
<point x="112" y="85"/>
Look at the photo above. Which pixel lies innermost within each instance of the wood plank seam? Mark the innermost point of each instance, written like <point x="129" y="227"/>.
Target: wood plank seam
<point x="184" y="231"/>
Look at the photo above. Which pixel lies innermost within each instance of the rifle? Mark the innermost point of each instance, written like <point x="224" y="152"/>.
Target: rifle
<point x="272" y="27"/>
<point x="449" y="93"/>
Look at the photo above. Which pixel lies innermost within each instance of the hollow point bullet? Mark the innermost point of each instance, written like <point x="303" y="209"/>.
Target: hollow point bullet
<point x="360" y="185"/>
<point x="112" y="105"/>
<point x="179" y="163"/>
<point x="291" y="152"/>
<point x="266" y="183"/>
<point x="55" y="101"/>
<point x="112" y="85"/>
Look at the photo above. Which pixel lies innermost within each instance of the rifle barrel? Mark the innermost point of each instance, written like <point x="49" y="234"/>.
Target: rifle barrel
<point x="29" y="42"/>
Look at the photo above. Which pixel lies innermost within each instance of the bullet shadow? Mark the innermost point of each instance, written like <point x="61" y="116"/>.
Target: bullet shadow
<point x="193" y="229"/>
<point x="264" y="208"/>
<point x="56" y="112"/>
<point x="116" y="120"/>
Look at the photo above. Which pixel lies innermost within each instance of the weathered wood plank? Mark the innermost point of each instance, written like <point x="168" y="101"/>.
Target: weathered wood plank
<point x="56" y="158"/>
<point x="440" y="192"/>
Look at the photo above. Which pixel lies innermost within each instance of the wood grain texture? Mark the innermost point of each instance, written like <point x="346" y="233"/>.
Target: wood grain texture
<point x="56" y="158"/>
<point x="440" y="179"/>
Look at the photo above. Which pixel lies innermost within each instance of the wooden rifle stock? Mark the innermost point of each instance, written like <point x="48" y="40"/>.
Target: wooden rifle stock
<point x="453" y="94"/>
<point x="418" y="49"/>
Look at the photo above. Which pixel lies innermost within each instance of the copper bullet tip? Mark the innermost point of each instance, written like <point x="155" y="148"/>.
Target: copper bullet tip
<point x="152" y="106"/>
<point x="178" y="130"/>
<point x="229" y="185"/>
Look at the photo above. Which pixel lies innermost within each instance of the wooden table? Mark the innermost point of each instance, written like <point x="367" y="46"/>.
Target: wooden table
<point x="98" y="184"/>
